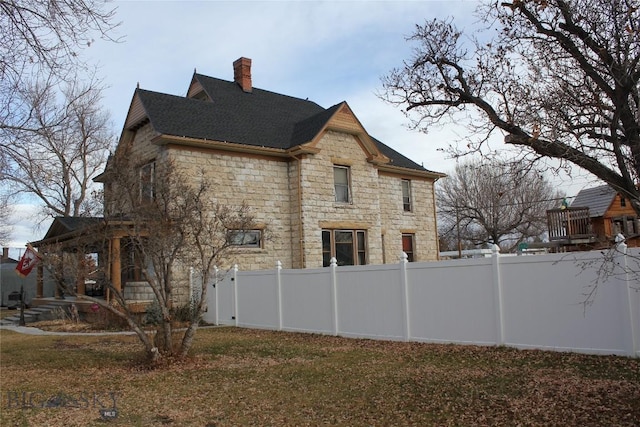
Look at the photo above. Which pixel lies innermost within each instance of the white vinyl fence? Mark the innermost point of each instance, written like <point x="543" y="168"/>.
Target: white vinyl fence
<point x="529" y="302"/>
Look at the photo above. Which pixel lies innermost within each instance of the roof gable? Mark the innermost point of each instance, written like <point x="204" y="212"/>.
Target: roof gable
<point x="341" y="118"/>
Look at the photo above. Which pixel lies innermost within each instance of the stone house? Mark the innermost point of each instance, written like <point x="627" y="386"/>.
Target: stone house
<point x="312" y="176"/>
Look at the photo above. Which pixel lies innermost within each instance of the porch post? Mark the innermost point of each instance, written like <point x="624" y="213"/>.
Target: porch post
<point x="59" y="277"/>
<point x="80" y="275"/>
<point x="39" y="281"/>
<point x="116" y="269"/>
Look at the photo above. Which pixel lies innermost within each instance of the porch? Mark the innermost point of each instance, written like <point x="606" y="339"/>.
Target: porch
<point x="91" y="257"/>
<point x="135" y="303"/>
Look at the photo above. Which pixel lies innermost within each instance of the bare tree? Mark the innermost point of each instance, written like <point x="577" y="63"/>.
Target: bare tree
<point x="6" y="228"/>
<point x="488" y="201"/>
<point x="42" y="41"/>
<point x="57" y="152"/>
<point x="5" y="221"/>
<point x="559" y="79"/>
<point x="214" y="229"/>
<point x="169" y="228"/>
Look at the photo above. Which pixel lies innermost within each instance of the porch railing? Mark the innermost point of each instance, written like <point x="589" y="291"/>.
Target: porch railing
<point x="569" y="224"/>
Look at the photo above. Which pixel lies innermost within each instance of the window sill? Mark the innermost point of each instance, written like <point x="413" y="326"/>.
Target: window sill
<point x="338" y="205"/>
<point x="236" y="250"/>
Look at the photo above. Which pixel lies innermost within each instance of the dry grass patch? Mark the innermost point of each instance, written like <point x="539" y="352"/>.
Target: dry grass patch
<point x="248" y="377"/>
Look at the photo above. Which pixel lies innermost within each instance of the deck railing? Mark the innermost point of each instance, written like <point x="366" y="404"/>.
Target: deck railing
<point x="569" y="224"/>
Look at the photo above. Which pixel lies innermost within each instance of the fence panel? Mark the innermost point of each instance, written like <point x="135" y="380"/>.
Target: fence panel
<point x="258" y="299"/>
<point x="369" y="302"/>
<point x="544" y="307"/>
<point x="453" y="301"/>
<point x="306" y="300"/>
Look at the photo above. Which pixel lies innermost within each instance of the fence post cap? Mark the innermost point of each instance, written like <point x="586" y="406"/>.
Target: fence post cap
<point x="404" y="258"/>
<point x="334" y="262"/>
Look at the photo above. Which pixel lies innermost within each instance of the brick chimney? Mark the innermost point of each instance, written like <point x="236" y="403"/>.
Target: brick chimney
<point x="242" y="73"/>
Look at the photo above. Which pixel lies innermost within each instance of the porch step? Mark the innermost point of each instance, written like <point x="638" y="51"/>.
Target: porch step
<point x="35" y="314"/>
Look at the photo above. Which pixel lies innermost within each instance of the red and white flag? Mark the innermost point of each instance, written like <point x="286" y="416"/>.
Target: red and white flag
<point x="29" y="260"/>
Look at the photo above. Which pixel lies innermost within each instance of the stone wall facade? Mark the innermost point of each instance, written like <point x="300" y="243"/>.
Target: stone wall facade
<point x="319" y="206"/>
<point x="420" y="221"/>
<point x="293" y="199"/>
<point x="260" y="182"/>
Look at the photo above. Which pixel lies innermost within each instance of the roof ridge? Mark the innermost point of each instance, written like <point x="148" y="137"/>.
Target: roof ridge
<point x="266" y="91"/>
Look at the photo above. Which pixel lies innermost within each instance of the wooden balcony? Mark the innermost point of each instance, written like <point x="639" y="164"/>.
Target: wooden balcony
<point x="570" y="225"/>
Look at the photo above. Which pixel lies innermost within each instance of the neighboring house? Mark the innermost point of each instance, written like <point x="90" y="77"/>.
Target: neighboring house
<point x="312" y="176"/>
<point x="10" y="283"/>
<point x="594" y="219"/>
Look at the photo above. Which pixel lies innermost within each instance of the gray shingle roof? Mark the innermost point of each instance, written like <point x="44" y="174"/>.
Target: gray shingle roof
<point x="62" y="225"/>
<point x="258" y="118"/>
<point x="597" y="199"/>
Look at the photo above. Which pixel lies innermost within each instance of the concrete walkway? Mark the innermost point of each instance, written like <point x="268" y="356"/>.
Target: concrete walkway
<point x="28" y="330"/>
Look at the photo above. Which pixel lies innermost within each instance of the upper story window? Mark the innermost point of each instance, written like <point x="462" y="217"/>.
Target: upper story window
<point x="147" y="182"/>
<point x="246" y="238"/>
<point x="341" y="183"/>
<point x="406" y="195"/>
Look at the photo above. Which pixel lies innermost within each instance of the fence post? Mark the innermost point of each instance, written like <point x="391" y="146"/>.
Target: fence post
<point x="279" y="290"/>
<point x="633" y="344"/>
<point x="215" y="293"/>
<point x="497" y="293"/>
<point x="334" y="295"/>
<point x="234" y="279"/>
<point x="404" y="289"/>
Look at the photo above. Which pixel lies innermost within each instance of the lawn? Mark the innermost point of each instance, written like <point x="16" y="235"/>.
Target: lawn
<point x="250" y="377"/>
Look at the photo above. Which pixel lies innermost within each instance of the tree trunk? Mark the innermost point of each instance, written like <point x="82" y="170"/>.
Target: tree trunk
<point x="190" y="333"/>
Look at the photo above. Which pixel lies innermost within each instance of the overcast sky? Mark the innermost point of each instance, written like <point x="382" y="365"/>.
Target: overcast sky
<point x="327" y="51"/>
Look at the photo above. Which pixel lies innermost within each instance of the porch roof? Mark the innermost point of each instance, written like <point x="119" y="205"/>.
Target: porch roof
<point x="69" y="228"/>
